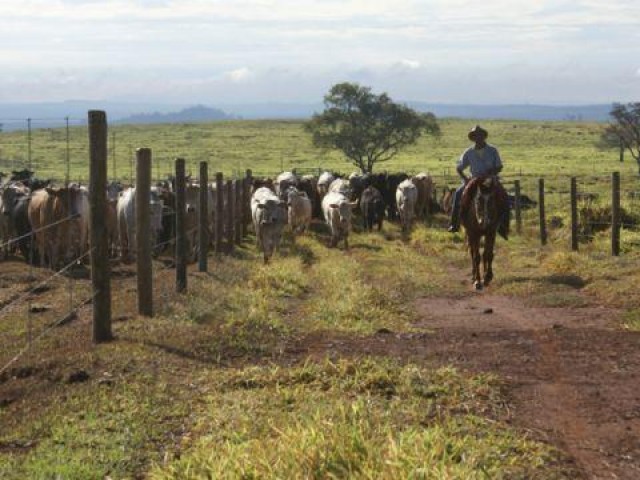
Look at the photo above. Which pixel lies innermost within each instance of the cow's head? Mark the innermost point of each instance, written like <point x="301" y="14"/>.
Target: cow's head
<point x="68" y="199"/>
<point x="272" y="212"/>
<point x="344" y="209"/>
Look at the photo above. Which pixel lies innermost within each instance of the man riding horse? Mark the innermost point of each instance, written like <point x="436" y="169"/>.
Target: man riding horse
<point x="483" y="160"/>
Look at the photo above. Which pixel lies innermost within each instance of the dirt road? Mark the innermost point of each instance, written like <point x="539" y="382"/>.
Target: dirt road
<point x="571" y="376"/>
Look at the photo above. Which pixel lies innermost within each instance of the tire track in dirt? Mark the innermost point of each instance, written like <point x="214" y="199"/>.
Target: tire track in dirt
<point x="556" y="382"/>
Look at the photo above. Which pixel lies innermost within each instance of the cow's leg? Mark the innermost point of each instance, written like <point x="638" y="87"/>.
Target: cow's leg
<point x="53" y="248"/>
<point x="84" y="238"/>
<point x="487" y="257"/>
<point x="334" y="241"/>
<point x="346" y="242"/>
<point x="124" y="241"/>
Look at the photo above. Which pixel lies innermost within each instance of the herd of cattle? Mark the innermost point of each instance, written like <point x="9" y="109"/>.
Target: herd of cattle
<point x="295" y="200"/>
<point x="49" y="225"/>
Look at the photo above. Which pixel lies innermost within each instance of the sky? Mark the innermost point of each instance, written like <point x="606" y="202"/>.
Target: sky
<point x="254" y="51"/>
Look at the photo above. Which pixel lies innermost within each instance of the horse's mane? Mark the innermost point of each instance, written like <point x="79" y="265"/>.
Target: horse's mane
<point x="473" y="185"/>
<point x="469" y="192"/>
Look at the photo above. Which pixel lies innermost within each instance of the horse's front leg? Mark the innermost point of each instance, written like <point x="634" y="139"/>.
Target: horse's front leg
<point x="487" y="257"/>
<point x="474" y="248"/>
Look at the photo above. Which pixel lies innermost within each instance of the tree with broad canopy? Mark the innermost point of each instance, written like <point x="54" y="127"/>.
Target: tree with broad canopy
<point x="367" y="128"/>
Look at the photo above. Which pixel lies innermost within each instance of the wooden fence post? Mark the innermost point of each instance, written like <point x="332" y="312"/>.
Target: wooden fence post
<point x="239" y="219"/>
<point x="181" y="237"/>
<point x="517" y="207"/>
<point x="543" y="221"/>
<point x="574" y="214"/>
<point x="100" y="269"/>
<point x="203" y="218"/>
<point x="143" y="230"/>
<point x="246" y="204"/>
<point x="615" y="214"/>
<point x="219" y="211"/>
<point x="230" y="214"/>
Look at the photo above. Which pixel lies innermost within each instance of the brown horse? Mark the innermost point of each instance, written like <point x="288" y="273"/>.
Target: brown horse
<point x="480" y="212"/>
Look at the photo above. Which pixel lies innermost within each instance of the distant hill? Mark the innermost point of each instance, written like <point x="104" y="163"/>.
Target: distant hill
<point x="198" y="113"/>
<point x="586" y="113"/>
<point x="52" y="114"/>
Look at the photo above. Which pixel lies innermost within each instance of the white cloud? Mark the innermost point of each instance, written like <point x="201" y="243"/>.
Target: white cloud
<point x="410" y="64"/>
<point x="239" y="75"/>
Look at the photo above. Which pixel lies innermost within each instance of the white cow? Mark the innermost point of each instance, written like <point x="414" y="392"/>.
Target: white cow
<point x="80" y="226"/>
<point x="269" y="217"/>
<point x="126" y="215"/>
<point x="299" y="210"/>
<point x="324" y="180"/>
<point x="424" y="183"/>
<point x="192" y="202"/>
<point x="283" y="182"/>
<point x="406" y="198"/>
<point x="336" y="208"/>
<point x="340" y="185"/>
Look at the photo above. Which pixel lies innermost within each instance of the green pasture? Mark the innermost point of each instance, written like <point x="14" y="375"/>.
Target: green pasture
<point x="270" y="146"/>
<point x="554" y="151"/>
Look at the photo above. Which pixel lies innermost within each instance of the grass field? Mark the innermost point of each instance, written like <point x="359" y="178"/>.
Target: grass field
<point x="301" y="369"/>
<point x="530" y="148"/>
<point x="553" y="150"/>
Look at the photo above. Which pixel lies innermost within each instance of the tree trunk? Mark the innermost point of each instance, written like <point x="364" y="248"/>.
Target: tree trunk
<point x="621" y="151"/>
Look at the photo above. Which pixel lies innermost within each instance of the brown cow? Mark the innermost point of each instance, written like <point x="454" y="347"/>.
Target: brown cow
<point x="50" y="212"/>
<point x="446" y="201"/>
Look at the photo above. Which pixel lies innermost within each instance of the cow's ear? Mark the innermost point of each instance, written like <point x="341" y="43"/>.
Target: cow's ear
<point x="50" y="190"/>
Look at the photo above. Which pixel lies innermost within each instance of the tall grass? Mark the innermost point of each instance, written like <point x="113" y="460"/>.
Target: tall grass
<point x="354" y="419"/>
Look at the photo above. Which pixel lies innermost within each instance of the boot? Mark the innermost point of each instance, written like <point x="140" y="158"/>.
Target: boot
<point x="454" y="227"/>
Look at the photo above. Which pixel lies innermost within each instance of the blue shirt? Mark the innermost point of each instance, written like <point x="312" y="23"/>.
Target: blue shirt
<point x="481" y="162"/>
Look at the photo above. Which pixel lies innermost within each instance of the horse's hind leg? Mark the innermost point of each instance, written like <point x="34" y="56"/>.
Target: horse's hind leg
<point x="487" y="258"/>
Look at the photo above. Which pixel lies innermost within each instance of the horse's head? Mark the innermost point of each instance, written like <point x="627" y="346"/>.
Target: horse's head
<point x="485" y="202"/>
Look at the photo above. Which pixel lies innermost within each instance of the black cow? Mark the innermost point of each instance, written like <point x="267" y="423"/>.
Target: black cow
<point x="372" y="206"/>
<point x="309" y="186"/>
<point x="525" y="202"/>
